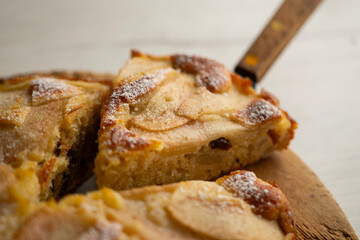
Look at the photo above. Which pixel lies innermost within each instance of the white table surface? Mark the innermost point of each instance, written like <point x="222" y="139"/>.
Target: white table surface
<point x="317" y="78"/>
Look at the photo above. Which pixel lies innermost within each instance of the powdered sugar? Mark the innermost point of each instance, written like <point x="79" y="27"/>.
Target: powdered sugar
<point x="242" y="185"/>
<point x="265" y="199"/>
<point x="127" y="93"/>
<point x="262" y="197"/>
<point x="48" y="89"/>
<point x="257" y="112"/>
<point x="132" y="90"/>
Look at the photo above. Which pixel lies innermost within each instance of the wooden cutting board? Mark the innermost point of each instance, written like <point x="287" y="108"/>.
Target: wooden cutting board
<point x="317" y="214"/>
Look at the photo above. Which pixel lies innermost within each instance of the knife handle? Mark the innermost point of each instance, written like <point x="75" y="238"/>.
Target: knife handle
<point x="275" y="36"/>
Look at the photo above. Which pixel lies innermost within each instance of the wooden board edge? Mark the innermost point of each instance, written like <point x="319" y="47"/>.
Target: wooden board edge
<point x="316" y="213"/>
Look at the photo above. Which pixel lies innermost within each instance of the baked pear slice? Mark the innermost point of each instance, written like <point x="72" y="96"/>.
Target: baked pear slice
<point x="180" y="117"/>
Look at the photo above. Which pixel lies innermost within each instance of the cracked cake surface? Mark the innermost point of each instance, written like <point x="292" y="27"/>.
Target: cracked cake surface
<point x="225" y="209"/>
<point x="48" y="125"/>
<point x="181" y="117"/>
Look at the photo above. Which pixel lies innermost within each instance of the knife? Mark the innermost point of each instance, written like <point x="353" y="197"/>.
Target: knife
<point x="276" y="35"/>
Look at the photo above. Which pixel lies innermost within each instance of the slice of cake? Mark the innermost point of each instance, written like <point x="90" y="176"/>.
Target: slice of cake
<point x="181" y="117"/>
<point x="50" y="121"/>
<point x="238" y="206"/>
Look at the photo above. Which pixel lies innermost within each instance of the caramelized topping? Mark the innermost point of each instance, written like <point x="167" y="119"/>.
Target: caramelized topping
<point x="120" y="137"/>
<point x="129" y="92"/>
<point x="209" y="73"/>
<point x="257" y="112"/>
<point x="136" y="53"/>
<point x="265" y="199"/>
<point x="269" y="97"/>
<point x="49" y="89"/>
<point x="242" y="84"/>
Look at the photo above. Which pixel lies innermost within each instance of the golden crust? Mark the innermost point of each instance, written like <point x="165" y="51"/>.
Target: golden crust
<point x="244" y="85"/>
<point x="268" y="96"/>
<point x="266" y="199"/>
<point x="209" y="73"/>
<point x="174" y="109"/>
<point x="45" y="118"/>
<point x="176" y="211"/>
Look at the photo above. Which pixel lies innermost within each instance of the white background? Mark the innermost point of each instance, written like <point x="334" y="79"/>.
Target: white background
<point x="317" y="78"/>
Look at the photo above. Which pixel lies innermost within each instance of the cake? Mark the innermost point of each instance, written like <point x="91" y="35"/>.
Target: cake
<point x="48" y="127"/>
<point x="238" y="206"/>
<point x="181" y="117"/>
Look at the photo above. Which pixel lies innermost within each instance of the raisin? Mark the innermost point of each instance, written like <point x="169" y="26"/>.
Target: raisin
<point x="221" y="143"/>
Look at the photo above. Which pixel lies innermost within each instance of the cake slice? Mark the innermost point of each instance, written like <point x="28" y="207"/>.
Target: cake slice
<point x="180" y="117"/>
<point x="238" y="206"/>
<point x="48" y="127"/>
